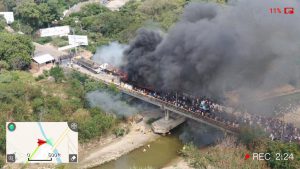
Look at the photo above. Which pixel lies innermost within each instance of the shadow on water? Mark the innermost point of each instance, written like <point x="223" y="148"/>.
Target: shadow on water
<point x="166" y="148"/>
<point x="199" y="134"/>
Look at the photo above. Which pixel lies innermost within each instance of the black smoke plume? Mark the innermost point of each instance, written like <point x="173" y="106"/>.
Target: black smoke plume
<point x="213" y="49"/>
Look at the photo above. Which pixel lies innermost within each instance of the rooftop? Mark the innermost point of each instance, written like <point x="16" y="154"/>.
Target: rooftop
<point x="43" y="58"/>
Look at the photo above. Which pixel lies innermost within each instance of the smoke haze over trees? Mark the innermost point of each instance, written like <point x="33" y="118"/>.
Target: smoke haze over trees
<point x="214" y="49"/>
<point x="111" y="54"/>
<point x="110" y="103"/>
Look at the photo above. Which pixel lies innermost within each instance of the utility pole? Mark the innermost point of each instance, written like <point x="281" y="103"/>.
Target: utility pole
<point x="73" y="30"/>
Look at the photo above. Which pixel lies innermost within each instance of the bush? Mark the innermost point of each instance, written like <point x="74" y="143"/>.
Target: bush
<point x="22" y="27"/>
<point x="113" y="88"/>
<point x="119" y="132"/>
<point x="79" y="76"/>
<point x="91" y="85"/>
<point x="280" y="148"/>
<point x="40" y="77"/>
<point x="59" y="42"/>
<point x="251" y="136"/>
<point x="46" y="73"/>
<point x="4" y="65"/>
<point x="43" y="40"/>
<point x="2" y="23"/>
<point x="96" y="125"/>
<point x="57" y="73"/>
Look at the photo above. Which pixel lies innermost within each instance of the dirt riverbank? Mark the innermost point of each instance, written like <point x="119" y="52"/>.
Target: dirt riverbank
<point x="177" y="163"/>
<point x="139" y="135"/>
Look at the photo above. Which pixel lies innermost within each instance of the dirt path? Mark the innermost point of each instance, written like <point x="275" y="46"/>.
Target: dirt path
<point x="115" y="4"/>
<point x="112" y="5"/>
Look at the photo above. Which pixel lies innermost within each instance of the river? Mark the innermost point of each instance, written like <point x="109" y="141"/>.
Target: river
<point x="163" y="150"/>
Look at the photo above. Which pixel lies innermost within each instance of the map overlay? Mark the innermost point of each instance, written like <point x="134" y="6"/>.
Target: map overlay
<point x="41" y="142"/>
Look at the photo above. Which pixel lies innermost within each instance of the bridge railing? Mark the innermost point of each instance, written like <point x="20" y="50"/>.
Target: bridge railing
<point x="185" y="111"/>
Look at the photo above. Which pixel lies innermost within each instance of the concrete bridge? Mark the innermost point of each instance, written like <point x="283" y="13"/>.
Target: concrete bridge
<point x="167" y="107"/>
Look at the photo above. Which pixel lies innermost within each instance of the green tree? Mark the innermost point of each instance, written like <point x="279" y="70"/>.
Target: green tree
<point x="164" y="11"/>
<point x="57" y="73"/>
<point x="4" y="65"/>
<point x="16" y="50"/>
<point x="79" y="76"/>
<point x="29" y="12"/>
<point x="38" y="14"/>
<point x="2" y="23"/>
<point x="92" y="9"/>
<point x="10" y="4"/>
<point x="57" y="7"/>
<point x="47" y="15"/>
<point x="96" y="125"/>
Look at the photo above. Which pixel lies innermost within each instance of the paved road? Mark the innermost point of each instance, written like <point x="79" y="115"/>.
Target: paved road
<point x="102" y="76"/>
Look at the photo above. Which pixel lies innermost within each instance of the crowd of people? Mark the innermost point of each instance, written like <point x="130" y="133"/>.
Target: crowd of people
<point x="281" y="109"/>
<point x="207" y="108"/>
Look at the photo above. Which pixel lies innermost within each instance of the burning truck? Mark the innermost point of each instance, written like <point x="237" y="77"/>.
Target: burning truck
<point x="98" y="68"/>
<point x="88" y="64"/>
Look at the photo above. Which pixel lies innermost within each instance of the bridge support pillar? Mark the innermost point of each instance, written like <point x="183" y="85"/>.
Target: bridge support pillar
<point x="167" y="114"/>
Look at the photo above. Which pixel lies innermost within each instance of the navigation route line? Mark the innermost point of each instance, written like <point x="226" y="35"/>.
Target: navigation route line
<point x="61" y="138"/>
<point x="48" y="141"/>
<point x="31" y="156"/>
<point x="55" y="151"/>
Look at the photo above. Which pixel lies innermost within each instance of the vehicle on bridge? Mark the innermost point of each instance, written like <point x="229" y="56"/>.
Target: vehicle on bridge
<point x="110" y="69"/>
<point x="88" y="64"/>
<point x="204" y="105"/>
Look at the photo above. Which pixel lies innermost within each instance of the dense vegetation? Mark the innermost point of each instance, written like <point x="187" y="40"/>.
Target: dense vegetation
<point x="230" y="153"/>
<point x="31" y="15"/>
<point x="221" y="156"/>
<point x="98" y="22"/>
<point x="2" y="23"/>
<point x="15" y="51"/>
<point x="25" y="98"/>
<point x="103" y="25"/>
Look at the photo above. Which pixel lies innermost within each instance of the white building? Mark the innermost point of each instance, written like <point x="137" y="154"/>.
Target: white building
<point x="44" y="59"/>
<point x="55" y="31"/>
<point x="8" y="16"/>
